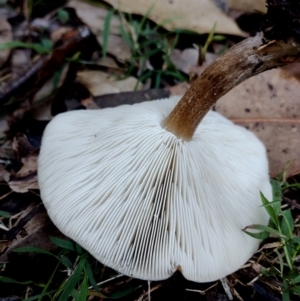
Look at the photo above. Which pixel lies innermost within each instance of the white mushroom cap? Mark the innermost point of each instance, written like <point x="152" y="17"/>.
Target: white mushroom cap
<point x="147" y="203"/>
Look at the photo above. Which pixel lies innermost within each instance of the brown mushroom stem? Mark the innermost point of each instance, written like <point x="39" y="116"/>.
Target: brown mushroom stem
<point x="250" y="57"/>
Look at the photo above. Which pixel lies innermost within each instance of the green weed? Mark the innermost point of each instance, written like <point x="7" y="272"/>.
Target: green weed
<point x="282" y="228"/>
<point x="147" y="42"/>
<point x="44" y="47"/>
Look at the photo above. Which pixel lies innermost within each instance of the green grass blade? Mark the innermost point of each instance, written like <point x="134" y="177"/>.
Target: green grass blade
<point x="287" y="224"/>
<point x="266" y="229"/>
<point x="296" y="280"/>
<point x="78" y="248"/>
<point x="66" y="261"/>
<point x="73" y="280"/>
<point x="33" y="250"/>
<point x="276" y="202"/>
<point x="83" y="293"/>
<point x="106" y="30"/>
<point x="144" y="19"/>
<point x="63" y="243"/>
<point x="296" y="185"/>
<point x="16" y="44"/>
<point x="91" y="277"/>
<point x="10" y="280"/>
<point x="127" y="39"/>
<point x="157" y="79"/>
<point x="258" y="235"/>
<point x="285" y="291"/>
<point x="270" y="210"/>
<point x="4" y="214"/>
<point x="48" y="283"/>
<point x="280" y="261"/>
<point x="40" y="296"/>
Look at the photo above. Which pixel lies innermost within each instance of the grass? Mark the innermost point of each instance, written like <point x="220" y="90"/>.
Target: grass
<point x="282" y="261"/>
<point x="147" y="42"/>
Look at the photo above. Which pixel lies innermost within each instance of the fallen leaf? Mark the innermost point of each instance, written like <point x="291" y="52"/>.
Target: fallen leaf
<point x="187" y="60"/>
<point x="94" y="17"/>
<point x="23" y="185"/>
<point x="43" y="111"/>
<point x="107" y="62"/>
<point x="198" y="16"/>
<point x="257" y="267"/>
<point x="99" y="83"/>
<point x="248" y="5"/>
<point x="89" y="103"/>
<point x="5" y="37"/>
<point x="183" y="60"/>
<point x="37" y="232"/>
<point x="21" y="146"/>
<point x="26" y="178"/>
<point x="4" y="174"/>
<point x="29" y="165"/>
<point x="268" y="105"/>
<point x="57" y="34"/>
<point x="117" y="47"/>
<point x="45" y="67"/>
<point x="42" y="107"/>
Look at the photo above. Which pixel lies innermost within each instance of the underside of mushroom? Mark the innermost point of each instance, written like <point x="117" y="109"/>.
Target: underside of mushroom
<point x="148" y="203"/>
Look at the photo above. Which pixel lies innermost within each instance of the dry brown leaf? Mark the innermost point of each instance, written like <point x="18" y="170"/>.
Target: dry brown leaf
<point x="4" y="174"/>
<point x="42" y="109"/>
<point x="108" y="62"/>
<point x="21" y="146"/>
<point x="29" y="166"/>
<point x="23" y="185"/>
<point x="257" y="267"/>
<point x="5" y="37"/>
<point x="38" y="230"/>
<point x="268" y="104"/>
<point x="198" y="15"/>
<point x="99" y="83"/>
<point x="117" y="47"/>
<point x="26" y="178"/>
<point x="94" y="17"/>
<point x="89" y="103"/>
<point x="187" y="60"/>
<point x="57" y="34"/>
<point x="248" y="5"/>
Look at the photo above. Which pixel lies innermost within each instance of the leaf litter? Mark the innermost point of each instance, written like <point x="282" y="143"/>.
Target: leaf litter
<point x="34" y="88"/>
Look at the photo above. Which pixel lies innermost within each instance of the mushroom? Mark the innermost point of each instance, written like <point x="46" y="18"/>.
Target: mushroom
<point x="149" y="189"/>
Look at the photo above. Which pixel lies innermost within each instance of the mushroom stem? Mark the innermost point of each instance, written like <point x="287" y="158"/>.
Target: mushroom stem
<point x="247" y="58"/>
